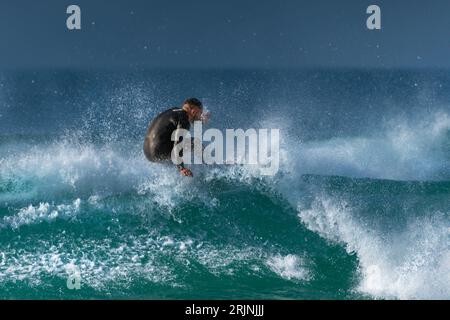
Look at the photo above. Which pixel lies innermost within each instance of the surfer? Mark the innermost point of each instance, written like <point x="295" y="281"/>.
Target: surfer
<point x="158" y="142"/>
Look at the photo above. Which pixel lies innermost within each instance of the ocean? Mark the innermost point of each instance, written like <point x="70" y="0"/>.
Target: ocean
<point x="359" y="208"/>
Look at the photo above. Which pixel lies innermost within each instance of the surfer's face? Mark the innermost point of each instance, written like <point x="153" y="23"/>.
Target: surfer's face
<point x="195" y="113"/>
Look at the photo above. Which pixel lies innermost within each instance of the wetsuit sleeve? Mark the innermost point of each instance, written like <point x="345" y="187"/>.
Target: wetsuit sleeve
<point x="182" y="123"/>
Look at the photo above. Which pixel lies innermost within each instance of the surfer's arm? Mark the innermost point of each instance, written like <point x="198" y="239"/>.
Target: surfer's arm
<point x="179" y="139"/>
<point x="183" y="170"/>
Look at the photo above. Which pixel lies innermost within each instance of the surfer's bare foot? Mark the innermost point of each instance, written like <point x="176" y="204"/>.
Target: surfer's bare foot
<point x="186" y="172"/>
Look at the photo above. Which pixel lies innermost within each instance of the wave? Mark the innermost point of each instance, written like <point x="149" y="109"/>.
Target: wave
<point x="42" y="212"/>
<point x="402" y="250"/>
<point x="417" y="150"/>
<point x="412" y="263"/>
<point x="399" y="231"/>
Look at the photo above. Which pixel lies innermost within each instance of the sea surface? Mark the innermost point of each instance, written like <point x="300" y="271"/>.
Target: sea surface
<point x="359" y="209"/>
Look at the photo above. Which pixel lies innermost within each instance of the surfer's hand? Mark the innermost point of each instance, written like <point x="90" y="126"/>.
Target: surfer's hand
<point x="186" y="172"/>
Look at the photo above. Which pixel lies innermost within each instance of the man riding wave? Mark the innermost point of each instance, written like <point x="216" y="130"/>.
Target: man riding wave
<point x="158" y="143"/>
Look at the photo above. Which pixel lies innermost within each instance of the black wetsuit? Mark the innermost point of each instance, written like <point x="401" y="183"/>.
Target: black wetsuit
<point x="158" y="142"/>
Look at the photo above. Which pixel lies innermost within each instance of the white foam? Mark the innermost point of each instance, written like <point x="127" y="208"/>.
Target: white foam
<point x="40" y="213"/>
<point x="104" y="266"/>
<point x="290" y="267"/>
<point x="402" y="151"/>
<point x="411" y="264"/>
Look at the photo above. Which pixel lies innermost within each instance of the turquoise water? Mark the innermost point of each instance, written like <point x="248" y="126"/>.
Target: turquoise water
<point x="358" y="210"/>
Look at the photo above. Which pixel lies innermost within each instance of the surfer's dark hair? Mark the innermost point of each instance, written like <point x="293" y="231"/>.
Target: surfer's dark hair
<point x="194" y="102"/>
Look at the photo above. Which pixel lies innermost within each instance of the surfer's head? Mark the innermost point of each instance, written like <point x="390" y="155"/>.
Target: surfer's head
<point x="194" y="109"/>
